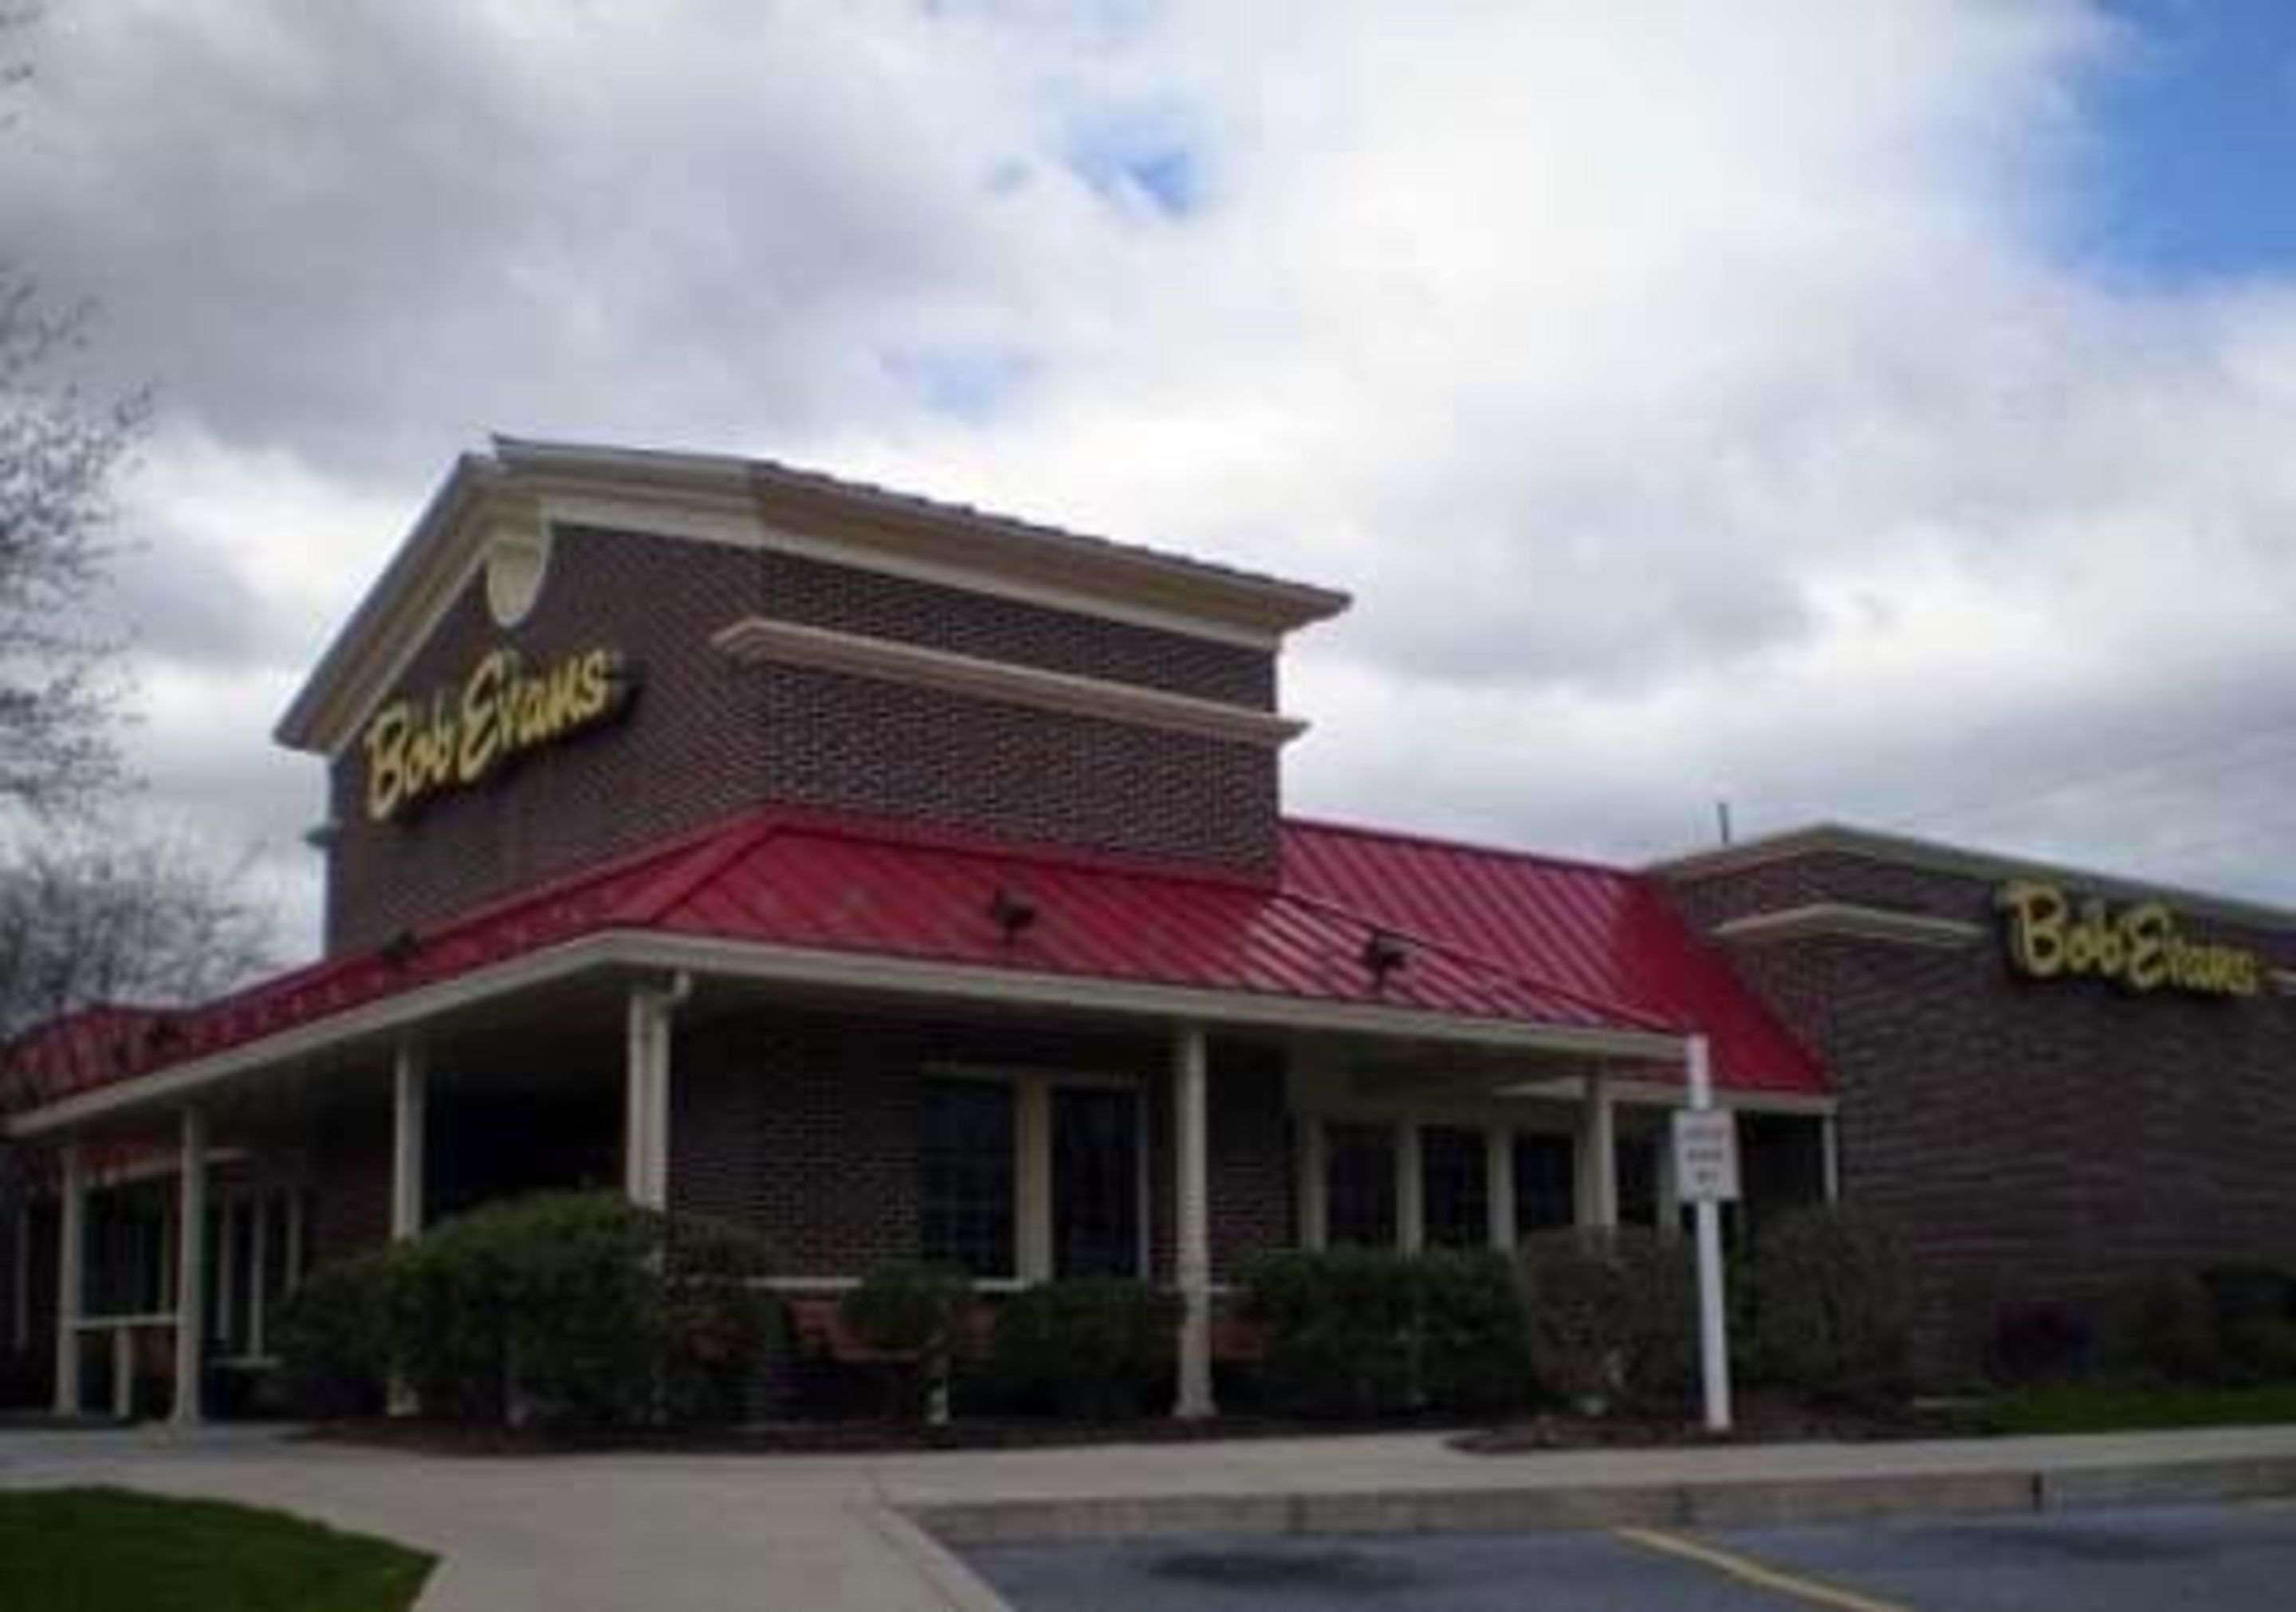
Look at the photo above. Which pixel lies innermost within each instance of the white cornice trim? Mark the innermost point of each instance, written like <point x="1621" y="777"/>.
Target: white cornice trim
<point x="1902" y="851"/>
<point x="1841" y="920"/>
<point x="739" y="525"/>
<point x="757" y="638"/>
<point x="759" y="504"/>
<point x="978" y="542"/>
<point x="858" y="971"/>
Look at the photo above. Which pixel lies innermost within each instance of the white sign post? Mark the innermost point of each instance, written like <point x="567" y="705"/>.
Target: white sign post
<point x="1705" y="1166"/>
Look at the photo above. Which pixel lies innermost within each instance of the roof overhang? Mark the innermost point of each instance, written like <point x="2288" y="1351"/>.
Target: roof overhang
<point x="724" y="498"/>
<point x="904" y="979"/>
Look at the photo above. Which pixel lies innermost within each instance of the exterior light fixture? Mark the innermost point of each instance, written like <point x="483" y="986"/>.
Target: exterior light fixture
<point x="1012" y="912"/>
<point x="1382" y="954"/>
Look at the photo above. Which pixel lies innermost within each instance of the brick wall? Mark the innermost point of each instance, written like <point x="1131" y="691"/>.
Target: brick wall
<point x="806" y="1131"/>
<point x="708" y="736"/>
<point x="2039" y="1139"/>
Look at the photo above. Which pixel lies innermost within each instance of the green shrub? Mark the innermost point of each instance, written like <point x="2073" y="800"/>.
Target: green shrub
<point x="1612" y="1315"/>
<point x="2164" y="1327"/>
<point x="1097" y="1348"/>
<point x="576" y="1310"/>
<point x="1340" y="1326"/>
<point x="1474" y="1348"/>
<point x="333" y="1337"/>
<point x="1833" y="1305"/>
<point x="1366" y="1331"/>
<point x="918" y="1311"/>
<point x="2261" y="1349"/>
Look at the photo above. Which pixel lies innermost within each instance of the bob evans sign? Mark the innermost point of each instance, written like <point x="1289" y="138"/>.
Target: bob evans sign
<point x="2139" y="946"/>
<point x="417" y="749"/>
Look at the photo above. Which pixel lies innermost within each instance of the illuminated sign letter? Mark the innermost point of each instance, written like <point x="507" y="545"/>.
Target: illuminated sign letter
<point x="415" y="749"/>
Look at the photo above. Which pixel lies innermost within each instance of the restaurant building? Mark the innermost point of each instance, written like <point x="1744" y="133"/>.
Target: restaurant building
<point x="901" y="880"/>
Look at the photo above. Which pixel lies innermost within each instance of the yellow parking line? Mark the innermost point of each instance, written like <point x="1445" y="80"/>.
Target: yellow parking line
<point x="1754" y="1573"/>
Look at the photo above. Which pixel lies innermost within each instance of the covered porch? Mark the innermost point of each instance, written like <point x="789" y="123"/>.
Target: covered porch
<point x="852" y="1111"/>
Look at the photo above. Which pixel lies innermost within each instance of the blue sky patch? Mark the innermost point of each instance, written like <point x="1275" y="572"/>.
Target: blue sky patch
<point x="2190" y="174"/>
<point x="968" y="383"/>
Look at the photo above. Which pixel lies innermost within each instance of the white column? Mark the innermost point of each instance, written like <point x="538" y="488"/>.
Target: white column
<point x="1313" y="1185"/>
<point x="1713" y="1339"/>
<point x="71" y="1277"/>
<point x="1410" y="1189"/>
<point x="410" y="1104"/>
<point x="1498" y="1185"/>
<point x="1598" y="1157"/>
<point x="1829" y="1141"/>
<point x="645" y="1128"/>
<point x="1191" y="1196"/>
<point x="1032" y="1186"/>
<point x="191" y="1265"/>
<point x="123" y="1373"/>
<point x="258" y="1295"/>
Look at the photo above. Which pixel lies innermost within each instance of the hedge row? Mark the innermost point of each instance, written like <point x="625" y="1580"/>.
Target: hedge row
<point x="565" y="1309"/>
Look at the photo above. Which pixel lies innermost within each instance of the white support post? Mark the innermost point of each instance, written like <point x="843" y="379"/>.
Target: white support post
<point x="71" y="1277"/>
<point x="191" y="1266"/>
<point x="123" y="1374"/>
<point x="1032" y="1195"/>
<point x="1499" y="1185"/>
<point x="410" y="1124"/>
<point x="1191" y="1196"/>
<point x="1713" y="1332"/>
<point x="1829" y="1141"/>
<point x="1313" y="1185"/>
<point x="410" y="1105"/>
<point x="1598" y="1157"/>
<point x="1410" y="1189"/>
<point x="645" y="1128"/>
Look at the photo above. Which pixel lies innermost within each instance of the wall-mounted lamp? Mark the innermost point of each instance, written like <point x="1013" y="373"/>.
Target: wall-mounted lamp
<point x="1382" y="954"/>
<point x="1012" y="912"/>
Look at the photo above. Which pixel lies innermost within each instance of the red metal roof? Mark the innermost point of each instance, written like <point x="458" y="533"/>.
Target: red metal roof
<point x="1487" y="936"/>
<point x="1607" y="933"/>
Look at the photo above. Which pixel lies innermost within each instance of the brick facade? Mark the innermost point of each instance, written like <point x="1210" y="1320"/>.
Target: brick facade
<point x="707" y="736"/>
<point x="2039" y="1141"/>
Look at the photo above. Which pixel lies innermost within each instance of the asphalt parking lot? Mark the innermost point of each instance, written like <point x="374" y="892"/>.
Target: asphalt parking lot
<point x="2230" y="1559"/>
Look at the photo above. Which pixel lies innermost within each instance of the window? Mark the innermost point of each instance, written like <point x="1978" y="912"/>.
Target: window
<point x="1545" y="1183"/>
<point x="1097" y="1181"/>
<point x="1455" y="1187"/>
<point x="964" y="1159"/>
<point x="1359" y="1191"/>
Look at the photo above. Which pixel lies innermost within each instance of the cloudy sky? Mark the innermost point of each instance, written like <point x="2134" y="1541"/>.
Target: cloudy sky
<point x="1878" y="412"/>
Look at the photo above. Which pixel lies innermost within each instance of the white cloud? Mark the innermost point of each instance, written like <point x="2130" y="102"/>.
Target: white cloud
<point x="1697" y="397"/>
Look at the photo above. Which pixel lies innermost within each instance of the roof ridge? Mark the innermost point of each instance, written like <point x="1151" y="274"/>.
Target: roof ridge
<point x="1363" y="830"/>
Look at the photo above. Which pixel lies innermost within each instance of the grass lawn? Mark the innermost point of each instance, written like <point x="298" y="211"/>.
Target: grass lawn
<point x="112" y="1550"/>
<point x="2116" y="1407"/>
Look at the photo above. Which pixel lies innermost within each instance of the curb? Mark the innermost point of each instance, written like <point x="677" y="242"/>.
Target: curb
<point x="1524" y="1509"/>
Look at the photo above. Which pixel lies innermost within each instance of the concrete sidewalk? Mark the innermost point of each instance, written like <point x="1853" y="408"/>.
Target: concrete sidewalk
<point x="699" y="1533"/>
